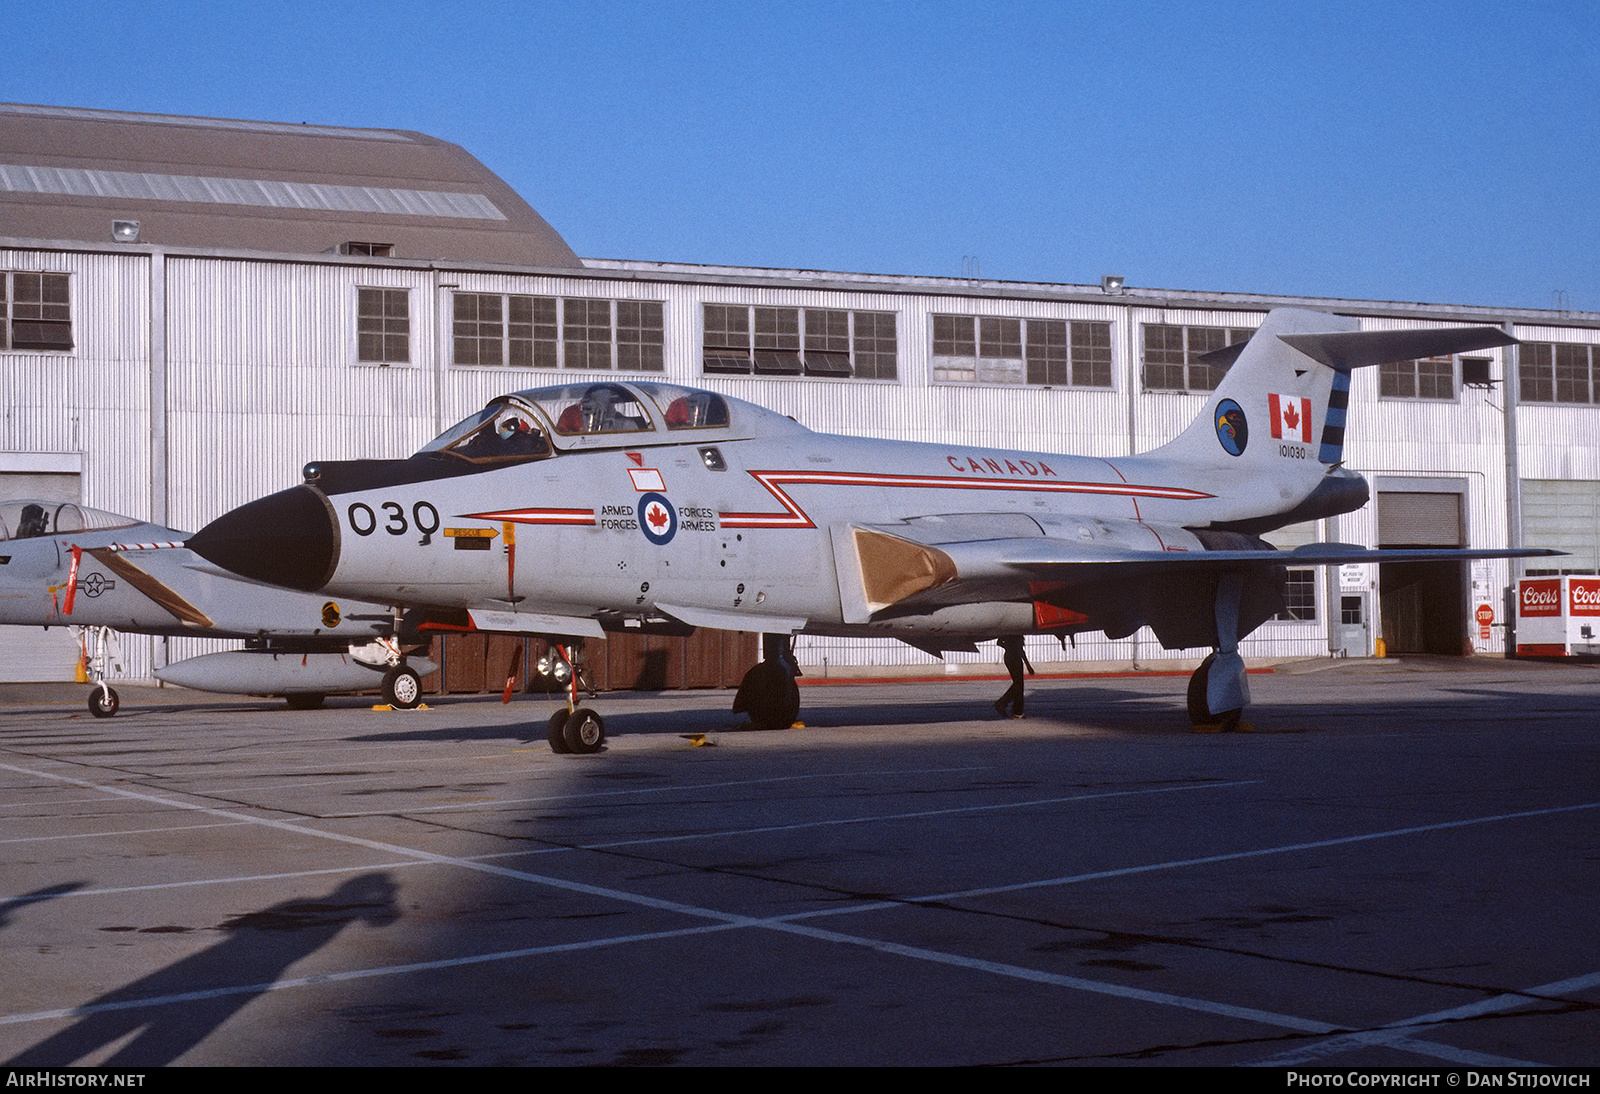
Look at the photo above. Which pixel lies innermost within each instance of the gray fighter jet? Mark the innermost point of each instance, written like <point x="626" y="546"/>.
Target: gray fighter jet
<point x="63" y="564"/>
<point x="587" y="507"/>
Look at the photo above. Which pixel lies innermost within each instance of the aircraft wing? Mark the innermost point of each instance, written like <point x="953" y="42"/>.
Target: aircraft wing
<point x="1057" y="560"/>
<point x="922" y="565"/>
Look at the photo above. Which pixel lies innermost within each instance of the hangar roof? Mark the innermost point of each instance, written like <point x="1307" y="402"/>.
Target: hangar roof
<point x="66" y="174"/>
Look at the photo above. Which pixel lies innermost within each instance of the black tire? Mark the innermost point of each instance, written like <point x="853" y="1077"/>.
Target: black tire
<point x="1199" y="709"/>
<point x="585" y="732"/>
<point x="769" y="695"/>
<point x="304" y="700"/>
<point x="557" y="735"/>
<point x="402" y="688"/>
<point x="104" y="702"/>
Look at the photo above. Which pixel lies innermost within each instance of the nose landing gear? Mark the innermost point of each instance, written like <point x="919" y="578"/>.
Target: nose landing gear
<point x="575" y="730"/>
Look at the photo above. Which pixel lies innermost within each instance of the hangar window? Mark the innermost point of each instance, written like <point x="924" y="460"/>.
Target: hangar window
<point x="875" y="344"/>
<point x="640" y="337"/>
<point x="383" y="326"/>
<point x="1172" y="356"/>
<point x="1432" y="378"/>
<point x="586" y="333"/>
<point x="557" y="332"/>
<point x="1558" y="372"/>
<point x="832" y="343"/>
<point x="1299" y="596"/>
<point x="37" y="311"/>
<point x="996" y="350"/>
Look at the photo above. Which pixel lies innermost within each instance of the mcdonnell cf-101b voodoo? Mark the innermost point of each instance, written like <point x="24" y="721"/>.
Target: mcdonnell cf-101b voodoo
<point x="569" y="511"/>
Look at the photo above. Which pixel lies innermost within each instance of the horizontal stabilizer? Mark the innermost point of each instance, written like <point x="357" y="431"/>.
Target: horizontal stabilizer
<point x="1346" y="350"/>
<point x="1334" y="554"/>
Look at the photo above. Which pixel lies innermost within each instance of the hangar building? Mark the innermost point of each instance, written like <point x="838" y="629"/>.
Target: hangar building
<point x="194" y="308"/>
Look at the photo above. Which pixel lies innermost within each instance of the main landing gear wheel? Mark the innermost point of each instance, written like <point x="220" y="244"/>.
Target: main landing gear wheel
<point x="1199" y="709"/>
<point x="769" y="695"/>
<point x="557" y="735"/>
<point x="104" y="702"/>
<point x="402" y="688"/>
<point x="584" y="732"/>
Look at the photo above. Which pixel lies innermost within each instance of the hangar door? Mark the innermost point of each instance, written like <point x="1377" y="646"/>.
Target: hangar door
<point x="1423" y="604"/>
<point x="1563" y="514"/>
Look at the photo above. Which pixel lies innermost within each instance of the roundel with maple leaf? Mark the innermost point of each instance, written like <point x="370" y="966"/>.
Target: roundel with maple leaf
<point x="658" y="520"/>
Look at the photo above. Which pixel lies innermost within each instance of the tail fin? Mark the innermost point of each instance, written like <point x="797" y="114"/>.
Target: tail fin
<point x="1289" y="386"/>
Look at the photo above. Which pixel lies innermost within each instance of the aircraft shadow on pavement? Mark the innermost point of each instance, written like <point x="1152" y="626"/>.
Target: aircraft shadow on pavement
<point x="1095" y="707"/>
<point x="252" y="956"/>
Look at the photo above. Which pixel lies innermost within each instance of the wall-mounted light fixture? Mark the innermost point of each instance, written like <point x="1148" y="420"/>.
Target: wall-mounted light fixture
<point x="125" y="231"/>
<point x="1111" y="283"/>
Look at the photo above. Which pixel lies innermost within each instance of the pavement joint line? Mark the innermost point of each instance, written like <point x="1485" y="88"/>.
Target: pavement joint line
<point x="788" y="923"/>
<point x="1399" y="1033"/>
<point x="881" y="818"/>
<point x="524" y="852"/>
<point x="243" y="879"/>
<point x="676" y="788"/>
<point x="111" y="833"/>
<point x="344" y="975"/>
<point x="53" y="802"/>
<point x="1233" y="856"/>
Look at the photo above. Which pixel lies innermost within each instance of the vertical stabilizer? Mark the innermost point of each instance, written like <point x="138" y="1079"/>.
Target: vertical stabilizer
<point x="1275" y="398"/>
<point x="1288" y="391"/>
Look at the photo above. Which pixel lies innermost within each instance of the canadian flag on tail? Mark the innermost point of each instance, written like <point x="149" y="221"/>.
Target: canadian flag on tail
<point x="1291" y="417"/>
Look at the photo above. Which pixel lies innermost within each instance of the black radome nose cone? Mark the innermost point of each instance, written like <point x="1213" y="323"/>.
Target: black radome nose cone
<point x="290" y="538"/>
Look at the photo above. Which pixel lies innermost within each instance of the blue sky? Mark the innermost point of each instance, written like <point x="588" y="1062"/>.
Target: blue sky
<point x="1445" y="152"/>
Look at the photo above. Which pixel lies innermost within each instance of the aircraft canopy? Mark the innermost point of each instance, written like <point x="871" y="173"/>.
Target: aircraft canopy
<point x="27" y="518"/>
<point x="533" y="425"/>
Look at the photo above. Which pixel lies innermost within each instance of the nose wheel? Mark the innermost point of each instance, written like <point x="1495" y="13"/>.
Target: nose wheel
<point x="575" y="730"/>
<point x="104" y="701"/>
<point x="99" y="660"/>
<point x="402" y="688"/>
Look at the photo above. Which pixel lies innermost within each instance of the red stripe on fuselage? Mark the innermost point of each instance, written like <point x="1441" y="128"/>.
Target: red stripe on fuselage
<point x="795" y="517"/>
<point x="536" y="516"/>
